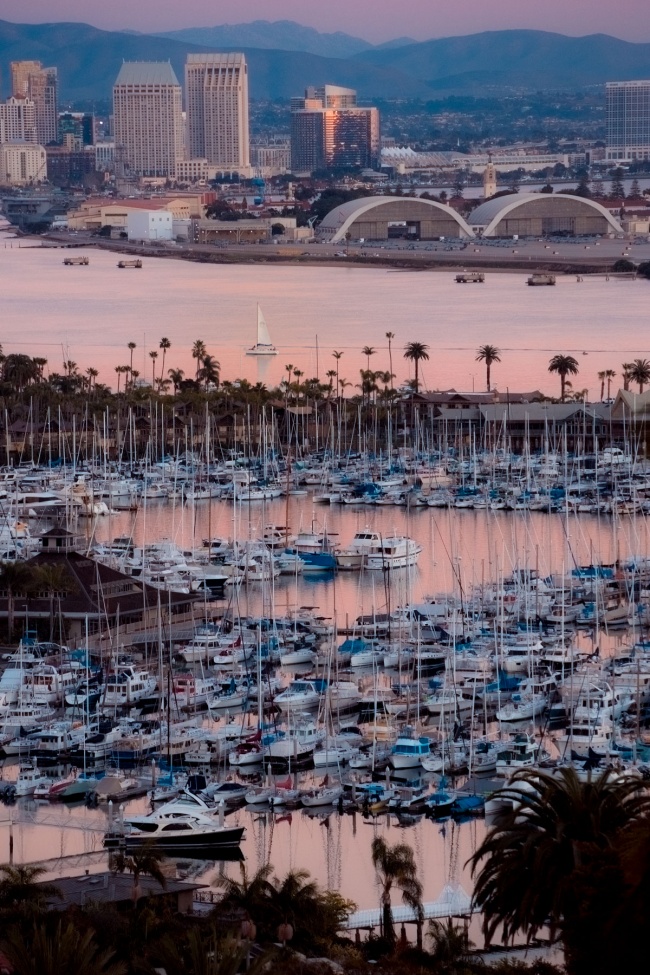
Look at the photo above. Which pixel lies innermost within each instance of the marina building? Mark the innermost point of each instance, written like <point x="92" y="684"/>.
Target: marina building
<point x="98" y="600"/>
<point x="329" y="130"/>
<point x="216" y="91"/>
<point x="148" y="118"/>
<point x="29" y="79"/>
<point x="628" y="120"/>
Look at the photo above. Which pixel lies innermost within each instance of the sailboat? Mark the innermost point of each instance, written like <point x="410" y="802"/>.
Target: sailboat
<point x="263" y="346"/>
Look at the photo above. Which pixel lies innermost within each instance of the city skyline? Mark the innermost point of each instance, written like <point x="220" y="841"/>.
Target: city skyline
<point x="375" y="22"/>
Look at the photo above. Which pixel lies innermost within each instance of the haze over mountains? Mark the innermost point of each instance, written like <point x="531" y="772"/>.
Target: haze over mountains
<point x="284" y="57"/>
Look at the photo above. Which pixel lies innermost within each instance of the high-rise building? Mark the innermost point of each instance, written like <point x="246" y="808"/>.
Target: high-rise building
<point x="29" y="79"/>
<point x="17" y="120"/>
<point x="148" y="117"/>
<point x="628" y="120"/>
<point x="330" y="131"/>
<point x="216" y="91"/>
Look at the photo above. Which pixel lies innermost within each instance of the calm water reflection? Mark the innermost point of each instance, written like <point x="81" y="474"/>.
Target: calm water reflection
<point x="89" y="314"/>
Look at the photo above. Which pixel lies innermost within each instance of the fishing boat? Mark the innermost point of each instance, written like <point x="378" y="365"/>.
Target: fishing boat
<point x="263" y="346"/>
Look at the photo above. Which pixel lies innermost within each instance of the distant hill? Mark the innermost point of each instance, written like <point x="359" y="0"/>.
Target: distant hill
<point x="527" y="58"/>
<point x="282" y="35"/>
<point x="89" y="60"/>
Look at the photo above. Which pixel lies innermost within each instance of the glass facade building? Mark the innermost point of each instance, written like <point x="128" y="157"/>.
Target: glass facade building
<point x="628" y="120"/>
<point x="329" y="131"/>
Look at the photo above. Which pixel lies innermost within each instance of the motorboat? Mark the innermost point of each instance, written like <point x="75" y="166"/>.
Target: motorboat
<point x="408" y="752"/>
<point x="372" y="550"/>
<point x="301" y="695"/>
<point x="173" y="827"/>
<point x="30" y="777"/>
<point x="127" y="686"/>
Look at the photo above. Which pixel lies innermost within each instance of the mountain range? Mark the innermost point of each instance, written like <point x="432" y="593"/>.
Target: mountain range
<point x="89" y="59"/>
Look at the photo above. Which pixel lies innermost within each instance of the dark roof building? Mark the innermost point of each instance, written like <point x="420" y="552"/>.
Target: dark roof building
<point x="116" y="888"/>
<point x="97" y="599"/>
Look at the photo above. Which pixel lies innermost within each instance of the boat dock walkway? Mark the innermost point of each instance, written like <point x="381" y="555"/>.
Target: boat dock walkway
<point x="453" y="902"/>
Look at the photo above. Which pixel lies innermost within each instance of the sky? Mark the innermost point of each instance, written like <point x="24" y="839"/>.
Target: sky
<point x="375" y="20"/>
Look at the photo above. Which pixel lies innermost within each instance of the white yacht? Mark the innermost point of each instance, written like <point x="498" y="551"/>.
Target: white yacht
<point x="372" y="550"/>
<point x="127" y="686"/>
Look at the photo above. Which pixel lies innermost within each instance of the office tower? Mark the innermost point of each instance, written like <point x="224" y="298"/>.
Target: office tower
<point x="628" y="120"/>
<point x="29" y="79"/>
<point x="79" y="125"/>
<point x="329" y="130"/>
<point x="148" y="114"/>
<point x="216" y="91"/>
<point x="17" y="120"/>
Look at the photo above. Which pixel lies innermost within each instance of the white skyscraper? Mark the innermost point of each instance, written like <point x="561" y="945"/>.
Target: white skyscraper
<point x="628" y="120"/>
<point x="17" y="120"/>
<point x="216" y="89"/>
<point x="148" y="117"/>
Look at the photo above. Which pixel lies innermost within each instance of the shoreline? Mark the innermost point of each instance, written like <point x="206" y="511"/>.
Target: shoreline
<point x="295" y="256"/>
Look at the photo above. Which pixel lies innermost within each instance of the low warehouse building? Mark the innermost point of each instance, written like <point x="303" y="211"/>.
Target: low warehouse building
<point x="542" y="214"/>
<point x="390" y="218"/>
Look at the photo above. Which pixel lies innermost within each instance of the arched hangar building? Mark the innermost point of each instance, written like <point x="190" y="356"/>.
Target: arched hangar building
<point x="541" y="214"/>
<point x="378" y="218"/>
<point x="391" y="217"/>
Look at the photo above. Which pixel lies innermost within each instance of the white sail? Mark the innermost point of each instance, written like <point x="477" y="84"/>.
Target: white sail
<point x="263" y="337"/>
<point x="263" y="346"/>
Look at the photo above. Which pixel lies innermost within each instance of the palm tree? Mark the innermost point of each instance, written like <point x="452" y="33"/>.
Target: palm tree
<point x="40" y="363"/>
<point x="176" y="376"/>
<point x="209" y="372"/>
<point x="50" y="951"/>
<point x="164" y="345"/>
<point x="118" y="370"/>
<point x="627" y="370"/>
<point x="609" y="375"/>
<point x="452" y="949"/>
<point x="563" y="365"/>
<point x="338" y="356"/>
<point x="550" y="860"/>
<point x="602" y="377"/>
<point x="153" y="355"/>
<point x="488" y="354"/>
<point x="16" y="578"/>
<point x="331" y="375"/>
<point x="396" y="868"/>
<point x="640" y="373"/>
<point x="145" y="860"/>
<point x="249" y="894"/>
<point x="198" y="352"/>
<point x="131" y="346"/>
<point x="92" y="374"/>
<point x="390" y="336"/>
<point x="295" y="898"/>
<point x="416" y="352"/>
<point x="21" y="889"/>
<point x="368" y="350"/>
